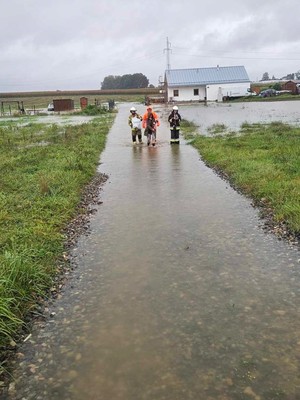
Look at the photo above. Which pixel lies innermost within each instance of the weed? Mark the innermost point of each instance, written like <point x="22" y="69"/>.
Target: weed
<point x="217" y="129"/>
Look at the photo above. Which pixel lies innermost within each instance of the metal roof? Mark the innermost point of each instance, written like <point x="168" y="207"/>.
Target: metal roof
<point x="205" y="76"/>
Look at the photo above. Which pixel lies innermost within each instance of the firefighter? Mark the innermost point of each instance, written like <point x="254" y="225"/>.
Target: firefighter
<point x="135" y="123"/>
<point x="174" y="120"/>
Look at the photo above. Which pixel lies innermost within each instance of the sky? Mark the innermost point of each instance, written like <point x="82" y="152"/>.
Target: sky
<point x="75" y="44"/>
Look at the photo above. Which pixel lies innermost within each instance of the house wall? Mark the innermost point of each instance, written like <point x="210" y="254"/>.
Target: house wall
<point x="186" y="93"/>
<point x="213" y="92"/>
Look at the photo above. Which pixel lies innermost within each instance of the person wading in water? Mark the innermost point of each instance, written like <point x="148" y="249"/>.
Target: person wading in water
<point x="135" y="123"/>
<point x="150" y="123"/>
<point x="174" y="120"/>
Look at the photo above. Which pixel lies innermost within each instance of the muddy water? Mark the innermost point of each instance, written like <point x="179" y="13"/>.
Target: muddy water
<point x="178" y="293"/>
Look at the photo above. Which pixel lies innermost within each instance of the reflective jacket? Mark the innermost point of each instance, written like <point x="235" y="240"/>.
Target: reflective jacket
<point x="174" y="119"/>
<point x="151" y="115"/>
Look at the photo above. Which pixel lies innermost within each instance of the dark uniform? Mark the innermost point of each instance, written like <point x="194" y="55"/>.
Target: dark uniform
<point x="174" y="120"/>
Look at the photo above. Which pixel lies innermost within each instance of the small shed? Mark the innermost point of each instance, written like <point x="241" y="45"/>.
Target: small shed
<point x="63" y="105"/>
<point x="290" y="85"/>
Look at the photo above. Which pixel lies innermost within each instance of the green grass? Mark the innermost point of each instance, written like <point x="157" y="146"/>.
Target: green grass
<point x="264" y="162"/>
<point x="189" y="128"/>
<point x="43" y="171"/>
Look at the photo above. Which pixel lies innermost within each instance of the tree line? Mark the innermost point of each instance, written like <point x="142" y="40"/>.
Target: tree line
<point x="292" y="76"/>
<point x="128" y="81"/>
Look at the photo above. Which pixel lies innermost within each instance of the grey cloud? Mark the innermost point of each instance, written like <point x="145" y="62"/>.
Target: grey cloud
<point x="75" y="44"/>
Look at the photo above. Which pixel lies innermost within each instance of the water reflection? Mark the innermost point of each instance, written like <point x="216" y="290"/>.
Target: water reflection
<point x="178" y="293"/>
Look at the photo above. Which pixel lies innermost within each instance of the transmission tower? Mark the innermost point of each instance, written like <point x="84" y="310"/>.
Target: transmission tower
<point x="168" y="50"/>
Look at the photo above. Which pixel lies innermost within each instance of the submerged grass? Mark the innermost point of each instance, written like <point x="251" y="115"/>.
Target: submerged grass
<point x="43" y="171"/>
<point x="263" y="161"/>
<point x="189" y="128"/>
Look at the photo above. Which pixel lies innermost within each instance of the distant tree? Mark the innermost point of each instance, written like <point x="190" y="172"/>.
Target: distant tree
<point x="265" y="76"/>
<point x="151" y="86"/>
<point x="111" y="82"/>
<point x="290" y="76"/>
<point x="128" y="81"/>
<point x="297" y="74"/>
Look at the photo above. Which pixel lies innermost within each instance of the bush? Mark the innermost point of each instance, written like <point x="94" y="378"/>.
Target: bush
<point x="276" y="86"/>
<point x="94" y="110"/>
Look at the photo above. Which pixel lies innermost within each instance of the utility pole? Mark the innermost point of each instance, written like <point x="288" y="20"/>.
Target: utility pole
<point x="168" y="51"/>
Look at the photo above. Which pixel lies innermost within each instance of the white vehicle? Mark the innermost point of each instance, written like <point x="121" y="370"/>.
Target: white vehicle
<point x="235" y="92"/>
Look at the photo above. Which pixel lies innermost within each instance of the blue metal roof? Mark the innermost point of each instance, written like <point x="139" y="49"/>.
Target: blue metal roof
<point x="205" y="76"/>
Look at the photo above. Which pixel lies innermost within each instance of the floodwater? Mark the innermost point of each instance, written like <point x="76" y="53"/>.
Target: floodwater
<point x="178" y="293"/>
<point x="233" y="115"/>
<point x="49" y="119"/>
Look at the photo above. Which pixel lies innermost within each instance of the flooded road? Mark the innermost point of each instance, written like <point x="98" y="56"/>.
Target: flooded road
<point x="178" y="293"/>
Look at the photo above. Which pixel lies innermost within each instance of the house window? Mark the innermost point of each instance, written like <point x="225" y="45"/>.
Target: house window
<point x="196" y="92"/>
<point x="175" y="92"/>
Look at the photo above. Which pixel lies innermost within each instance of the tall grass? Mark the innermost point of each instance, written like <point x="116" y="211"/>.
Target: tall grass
<point x="43" y="170"/>
<point x="264" y="161"/>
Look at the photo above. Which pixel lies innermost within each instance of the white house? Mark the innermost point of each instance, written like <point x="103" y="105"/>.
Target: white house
<point x="211" y="84"/>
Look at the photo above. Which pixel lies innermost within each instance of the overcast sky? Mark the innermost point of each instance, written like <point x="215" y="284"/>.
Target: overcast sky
<point x="74" y="44"/>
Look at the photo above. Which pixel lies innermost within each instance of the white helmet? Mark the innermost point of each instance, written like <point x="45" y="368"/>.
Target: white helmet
<point x="133" y="109"/>
<point x="175" y="108"/>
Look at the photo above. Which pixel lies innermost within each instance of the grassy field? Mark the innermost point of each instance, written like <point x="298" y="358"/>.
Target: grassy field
<point x="262" y="160"/>
<point x="40" y="100"/>
<point x="44" y="169"/>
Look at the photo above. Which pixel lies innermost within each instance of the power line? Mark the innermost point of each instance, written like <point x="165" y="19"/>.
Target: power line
<point x="237" y="57"/>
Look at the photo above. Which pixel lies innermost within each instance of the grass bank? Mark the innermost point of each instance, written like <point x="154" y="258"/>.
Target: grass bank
<point x="261" y="160"/>
<point x="44" y="169"/>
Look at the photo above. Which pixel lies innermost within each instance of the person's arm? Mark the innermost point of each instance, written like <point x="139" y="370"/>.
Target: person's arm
<point x="144" y="121"/>
<point x="156" y="119"/>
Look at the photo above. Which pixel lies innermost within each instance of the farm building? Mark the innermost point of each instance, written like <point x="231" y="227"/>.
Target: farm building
<point x="200" y="84"/>
<point x="63" y="105"/>
<point x="293" y="86"/>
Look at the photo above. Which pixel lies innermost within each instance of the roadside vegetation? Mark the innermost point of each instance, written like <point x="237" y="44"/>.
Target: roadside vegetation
<point x="263" y="160"/>
<point x="281" y="97"/>
<point x="44" y="169"/>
